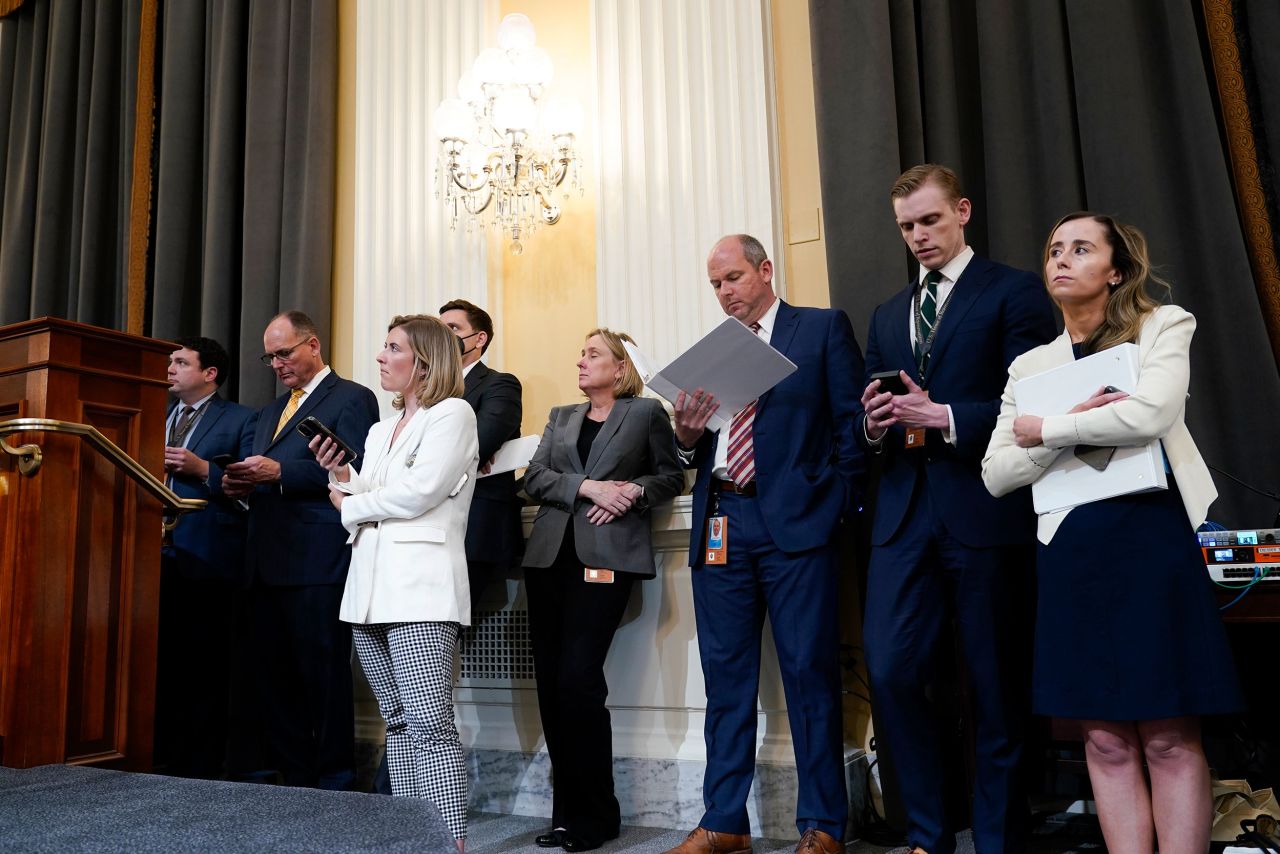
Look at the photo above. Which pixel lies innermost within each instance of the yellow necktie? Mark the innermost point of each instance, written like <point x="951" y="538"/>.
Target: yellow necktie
<point x="289" y="408"/>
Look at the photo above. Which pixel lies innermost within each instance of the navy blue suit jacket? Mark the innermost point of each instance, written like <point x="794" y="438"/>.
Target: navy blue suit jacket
<point x="809" y="468"/>
<point x="994" y="315"/>
<point x="295" y="535"/>
<point x="208" y="544"/>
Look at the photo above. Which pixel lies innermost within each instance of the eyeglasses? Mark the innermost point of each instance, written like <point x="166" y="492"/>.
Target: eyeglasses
<point x="282" y="355"/>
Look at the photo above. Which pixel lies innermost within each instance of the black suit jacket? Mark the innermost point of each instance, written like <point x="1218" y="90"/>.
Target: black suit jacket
<point x="208" y="544"/>
<point x="493" y="526"/>
<point x="994" y="315"/>
<point x="295" y="535"/>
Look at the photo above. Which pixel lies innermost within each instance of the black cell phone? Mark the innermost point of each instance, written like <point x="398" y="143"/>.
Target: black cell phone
<point x="890" y="381"/>
<point x="222" y="460"/>
<point x="1095" y="456"/>
<point x="312" y="427"/>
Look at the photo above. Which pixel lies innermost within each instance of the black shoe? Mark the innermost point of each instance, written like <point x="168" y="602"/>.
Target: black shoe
<point x="577" y="843"/>
<point x="554" y="839"/>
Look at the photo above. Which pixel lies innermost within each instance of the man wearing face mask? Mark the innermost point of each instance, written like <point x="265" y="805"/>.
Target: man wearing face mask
<point x="494" y="540"/>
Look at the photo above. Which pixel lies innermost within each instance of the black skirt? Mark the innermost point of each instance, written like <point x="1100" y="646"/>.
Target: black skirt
<point x="1127" y="627"/>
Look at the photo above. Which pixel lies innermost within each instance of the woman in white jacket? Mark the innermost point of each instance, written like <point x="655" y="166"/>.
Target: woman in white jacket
<point x="406" y="593"/>
<point x="1128" y="637"/>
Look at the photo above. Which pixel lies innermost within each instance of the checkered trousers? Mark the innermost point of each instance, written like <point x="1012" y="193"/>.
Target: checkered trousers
<point x="410" y="669"/>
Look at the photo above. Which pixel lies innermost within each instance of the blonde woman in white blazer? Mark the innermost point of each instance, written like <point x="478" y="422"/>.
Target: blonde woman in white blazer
<point x="406" y="594"/>
<point x="1128" y="637"/>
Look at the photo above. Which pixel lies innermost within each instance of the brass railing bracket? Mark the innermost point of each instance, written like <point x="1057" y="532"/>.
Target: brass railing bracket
<point x="30" y="458"/>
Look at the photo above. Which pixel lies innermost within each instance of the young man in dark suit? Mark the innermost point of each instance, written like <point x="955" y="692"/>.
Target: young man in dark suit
<point x="942" y="547"/>
<point x="780" y="479"/>
<point x="202" y="563"/>
<point x="494" y="538"/>
<point x="297" y="559"/>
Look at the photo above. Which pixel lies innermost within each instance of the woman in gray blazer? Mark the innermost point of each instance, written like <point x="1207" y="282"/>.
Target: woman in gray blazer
<point x="599" y="469"/>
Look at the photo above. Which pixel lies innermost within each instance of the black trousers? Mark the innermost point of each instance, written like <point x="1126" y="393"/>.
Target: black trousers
<point x="571" y="626"/>
<point x="304" y="681"/>
<point x="193" y="678"/>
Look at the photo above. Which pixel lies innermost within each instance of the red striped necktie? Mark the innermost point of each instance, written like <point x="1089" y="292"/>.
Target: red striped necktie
<point x="742" y="457"/>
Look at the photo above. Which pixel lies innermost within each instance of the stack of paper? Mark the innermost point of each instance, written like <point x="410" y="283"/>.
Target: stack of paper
<point x="1070" y="482"/>
<point x="730" y="362"/>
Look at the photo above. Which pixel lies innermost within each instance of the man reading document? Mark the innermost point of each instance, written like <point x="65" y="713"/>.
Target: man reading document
<point x="772" y="488"/>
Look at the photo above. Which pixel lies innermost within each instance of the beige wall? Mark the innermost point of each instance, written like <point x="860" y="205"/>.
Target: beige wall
<point x="549" y="291"/>
<point x="805" y="257"/>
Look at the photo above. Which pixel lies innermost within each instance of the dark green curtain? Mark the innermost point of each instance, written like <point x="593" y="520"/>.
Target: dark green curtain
<point x="67" y="72"/>
<point x="1045" y="108"/>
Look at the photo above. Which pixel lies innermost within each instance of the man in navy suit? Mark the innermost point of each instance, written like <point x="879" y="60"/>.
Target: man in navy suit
<point x="297" y="559"/>
<point x="202" y="564"/>
<point x="779" y="483"/>
<point x="494" y="538"/>
<point x="942" y="548"/>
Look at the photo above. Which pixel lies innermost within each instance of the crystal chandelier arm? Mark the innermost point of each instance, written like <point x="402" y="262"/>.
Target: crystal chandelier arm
<point x="455" y="172"/>
<point x="469" y="199"/>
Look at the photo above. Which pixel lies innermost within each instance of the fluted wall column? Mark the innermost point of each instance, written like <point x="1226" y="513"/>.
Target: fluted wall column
<point x="683" y="157"/>
<point x="409" y="55"/>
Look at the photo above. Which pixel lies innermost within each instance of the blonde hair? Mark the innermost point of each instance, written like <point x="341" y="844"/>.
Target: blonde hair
<point x="629" y="384"/>
<point x="917" y="176"/>
<point x="1129" y="303"/>
<point x="435" y="352"/>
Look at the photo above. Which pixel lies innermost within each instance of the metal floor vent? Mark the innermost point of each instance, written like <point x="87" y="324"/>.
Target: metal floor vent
<point x="496" y="647"/>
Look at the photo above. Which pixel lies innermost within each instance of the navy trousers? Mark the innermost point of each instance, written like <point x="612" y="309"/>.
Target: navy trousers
<point x="919" y="582"/>
<point x="798" y="593"/>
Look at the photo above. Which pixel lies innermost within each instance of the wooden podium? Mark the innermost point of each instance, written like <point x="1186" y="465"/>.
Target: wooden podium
<point x="80" y="563"/>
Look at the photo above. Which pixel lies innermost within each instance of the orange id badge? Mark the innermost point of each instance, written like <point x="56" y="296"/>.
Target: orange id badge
<point x="591" y="575"/>
<point x="717" y="541"/>
<point x="913" y="438"/>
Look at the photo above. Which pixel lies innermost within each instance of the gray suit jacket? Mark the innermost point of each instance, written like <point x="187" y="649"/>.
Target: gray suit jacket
<point x="636" y="443"/>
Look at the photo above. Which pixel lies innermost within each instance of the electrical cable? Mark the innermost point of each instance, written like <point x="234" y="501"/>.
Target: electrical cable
<point x="1264" y="493"/>
<point x="1258" y="575"/>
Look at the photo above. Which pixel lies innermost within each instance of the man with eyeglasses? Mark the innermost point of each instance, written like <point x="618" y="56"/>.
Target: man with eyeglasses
<point x="298" y="556"/>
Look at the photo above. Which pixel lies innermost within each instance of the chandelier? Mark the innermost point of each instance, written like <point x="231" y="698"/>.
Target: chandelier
<point x="504" y="147"/>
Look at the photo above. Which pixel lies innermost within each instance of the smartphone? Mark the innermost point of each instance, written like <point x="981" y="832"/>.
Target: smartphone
<point x="890" y="381"/>
<point x="312" y="427"/>
<point x="1095" y="456"/>
<point x="222" y="460"/>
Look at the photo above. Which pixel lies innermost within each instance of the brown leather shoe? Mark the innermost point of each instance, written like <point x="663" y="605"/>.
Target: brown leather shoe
<point x="703" y="841"/>
<point x="816" y="841"/>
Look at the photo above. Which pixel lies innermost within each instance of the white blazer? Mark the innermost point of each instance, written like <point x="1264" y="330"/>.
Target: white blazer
<point x="411" y="566"/>
<point x="1154" y="410"/>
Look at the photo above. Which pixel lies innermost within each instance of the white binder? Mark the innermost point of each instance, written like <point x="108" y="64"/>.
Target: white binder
<point x="1070" y="482"/>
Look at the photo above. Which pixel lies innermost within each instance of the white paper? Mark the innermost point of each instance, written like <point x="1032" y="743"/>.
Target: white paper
<point x="1070" y="482"/>
<point x="730" y="362"/>
<point x="513" y="455"/>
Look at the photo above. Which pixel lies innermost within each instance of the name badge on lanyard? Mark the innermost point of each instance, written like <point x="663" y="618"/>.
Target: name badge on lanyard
<point x="717" y="540"/>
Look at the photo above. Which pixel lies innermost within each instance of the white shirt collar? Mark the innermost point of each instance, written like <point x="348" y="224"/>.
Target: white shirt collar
<point x="466" y="369"/>
<point x="315" y="381"/>
<point x="769" y="318"/>
<point x="952" y="270"/>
